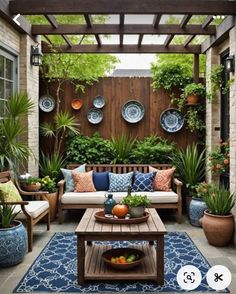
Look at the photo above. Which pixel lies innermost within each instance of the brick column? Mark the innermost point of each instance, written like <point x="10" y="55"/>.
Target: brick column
<point x="212" y="109"/>
<point x="29" y="82"/>
<point x="232" y="44"/>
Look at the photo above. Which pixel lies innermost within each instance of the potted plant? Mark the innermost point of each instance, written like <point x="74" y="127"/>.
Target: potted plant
<point x="219" y="159"/>
<point x="136" y="204"/>
<point x="30" y="183"/>
<point x="13" y="235"/>
<point x="193" y="92"/>
<point x="190" y="168"/>
<point x="197" y="204"/>
<point x="218" y="222"/>
<point x="50" y="186"/>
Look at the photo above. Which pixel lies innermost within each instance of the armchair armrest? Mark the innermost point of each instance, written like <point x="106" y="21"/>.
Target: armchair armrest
<point x="37" y="194"/>
<point x="22" y="204"/>
<point x="61" y="185"/>
<point x="178" y="184"/>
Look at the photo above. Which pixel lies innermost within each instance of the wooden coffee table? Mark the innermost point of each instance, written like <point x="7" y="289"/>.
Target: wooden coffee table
<point x="90" y="263"/>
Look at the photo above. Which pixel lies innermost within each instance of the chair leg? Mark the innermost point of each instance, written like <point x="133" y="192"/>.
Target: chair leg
<point x="180" y="213"/>
<point x="30" y="234"/>
<point x="60" y="215"/>
<point x="48" y="220"/>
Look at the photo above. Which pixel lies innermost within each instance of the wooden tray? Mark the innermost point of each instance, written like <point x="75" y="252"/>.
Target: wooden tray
<point x="100" y="216"/>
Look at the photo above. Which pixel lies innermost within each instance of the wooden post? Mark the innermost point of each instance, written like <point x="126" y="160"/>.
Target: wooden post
<point x="196" y="68"/>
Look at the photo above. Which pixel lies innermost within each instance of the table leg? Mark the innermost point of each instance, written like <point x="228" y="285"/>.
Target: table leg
<point x="160" y="260"/>
<point x="80" y="259"/>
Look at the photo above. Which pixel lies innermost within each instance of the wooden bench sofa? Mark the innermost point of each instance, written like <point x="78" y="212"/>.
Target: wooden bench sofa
<point x="161" y="200"/>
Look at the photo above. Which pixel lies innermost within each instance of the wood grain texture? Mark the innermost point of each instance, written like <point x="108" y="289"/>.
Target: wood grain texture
<point x="117" y="91"/>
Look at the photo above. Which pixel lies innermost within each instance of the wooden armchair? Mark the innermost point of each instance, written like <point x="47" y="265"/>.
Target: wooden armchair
<point x="33" y="210"/>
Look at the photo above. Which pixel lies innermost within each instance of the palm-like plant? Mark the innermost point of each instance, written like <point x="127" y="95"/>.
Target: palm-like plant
<point x="50" y="165"/>
<point x="190" y="165"/>
<point x="122" y="148"/>
<point x="13" y="151"/>
<point x="62" y="124"/>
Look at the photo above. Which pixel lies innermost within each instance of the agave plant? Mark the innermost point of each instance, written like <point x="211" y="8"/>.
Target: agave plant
<point x="190" y="165"/>
<point x="62" y="124"/>
<point x="13" y="151"/>
<point x="219" y="201"/>
<point x="7" y="213"/>
<point x="122" y="148"/>
<point x="50" y="164"/>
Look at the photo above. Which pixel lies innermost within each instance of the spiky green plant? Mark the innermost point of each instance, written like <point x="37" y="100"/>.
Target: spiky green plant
<point x="122" y="147"/>
<point x="50" y="164"/>
<point x="7" y="214"/>
<point x="219" y="200"/>
<point x="62" y="124"/>
<point x="190" y="166"/>
<point x="13" y="150"/>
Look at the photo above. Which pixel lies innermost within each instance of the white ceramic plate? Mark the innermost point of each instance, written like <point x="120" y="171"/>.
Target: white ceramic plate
<point x="46" y="103"/>
<point x="133" y="111"/>
<point x="99" y="101"/>
<point x="95" y="116"/>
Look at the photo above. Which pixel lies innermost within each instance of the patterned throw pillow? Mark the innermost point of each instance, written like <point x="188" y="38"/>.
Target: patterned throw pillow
<point x="83" y="181"/>
<point x="67" y="173"/>
<point x="10" y="192"/>
<point x="143" y="181"/>
<point x="120" y="182"/>
<point x="101" y="181"/>
<point x="163" y="178"/>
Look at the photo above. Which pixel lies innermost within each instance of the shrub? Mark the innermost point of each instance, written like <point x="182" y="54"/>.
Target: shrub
<point x="153" y="149"/>
<point x="86" y="149"/>
<point x="219" y="159"/>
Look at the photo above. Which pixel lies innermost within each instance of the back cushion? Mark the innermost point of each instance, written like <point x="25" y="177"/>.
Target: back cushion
<point x="163" y="179"/>
<point x="83" y="182"/>
<point x="9" y="192"/>
<point x="67" y="173"/>
<point x="120" y="182"/>
<point x="101" y="181"/>
<point x="143" y="181"/>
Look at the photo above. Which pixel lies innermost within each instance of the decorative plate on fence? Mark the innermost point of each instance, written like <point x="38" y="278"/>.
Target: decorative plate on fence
<point x="99" y="101"/>
<point x="172" y="120"/>
<point x="76" y="104"/>
<point x="46" y="103"/>
<point x="133" y="111"/>
<point x="95" y="116"/>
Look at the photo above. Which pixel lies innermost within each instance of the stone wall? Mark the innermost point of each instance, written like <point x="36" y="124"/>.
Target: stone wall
<point x="28" y="80"/>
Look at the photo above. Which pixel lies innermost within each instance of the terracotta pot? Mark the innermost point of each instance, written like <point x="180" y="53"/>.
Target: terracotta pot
<point x="218" y="229"/>
<point x="31" y="187"/>
<point x="193" y="99"/>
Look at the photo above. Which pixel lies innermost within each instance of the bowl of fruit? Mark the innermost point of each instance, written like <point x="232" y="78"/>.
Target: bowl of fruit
<point x="123" y="258"/>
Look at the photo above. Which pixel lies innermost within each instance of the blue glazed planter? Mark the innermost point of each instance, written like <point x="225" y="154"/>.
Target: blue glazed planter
<point x="196" y="210"/>
<point x="13" y="245"/>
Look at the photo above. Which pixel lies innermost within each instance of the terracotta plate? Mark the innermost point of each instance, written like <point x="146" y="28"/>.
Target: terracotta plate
<point x="100" y="216"/>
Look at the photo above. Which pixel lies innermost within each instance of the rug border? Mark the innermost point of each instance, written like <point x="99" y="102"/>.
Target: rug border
<point x="184" y="232"/>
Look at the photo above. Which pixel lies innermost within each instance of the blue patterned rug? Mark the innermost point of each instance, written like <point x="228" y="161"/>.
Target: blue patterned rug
<point x="55" y="268"/>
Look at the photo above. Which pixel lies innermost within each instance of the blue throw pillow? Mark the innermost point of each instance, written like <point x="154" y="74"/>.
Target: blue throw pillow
<point x="120" y="182"/>
<point x="67" y="173"/>
<point x="101" y="181"/>
<point x="143" y="181"/>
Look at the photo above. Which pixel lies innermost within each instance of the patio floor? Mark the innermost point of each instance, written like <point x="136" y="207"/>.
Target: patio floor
<point x="10" y="277"/>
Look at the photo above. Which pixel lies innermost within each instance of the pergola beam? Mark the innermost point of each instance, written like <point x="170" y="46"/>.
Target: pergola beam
<point x="156" y="20"/>
<point x="188" y="40"/>
<point x="89" y="22"/>
<point x="164" y="29"/>
<point x="207" y="21"/>
<point x="168" y="40"/>
<point x="194" y="49"/>
<point x="52" y="20"/>
<point x="222" y="32"/>
<point x="67" y="40"/>
<point x="223" y="7"/>
<point x="185" y="20"/>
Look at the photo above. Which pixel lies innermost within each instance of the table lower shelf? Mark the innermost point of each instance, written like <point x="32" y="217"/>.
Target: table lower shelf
<point x="96" y="269"/>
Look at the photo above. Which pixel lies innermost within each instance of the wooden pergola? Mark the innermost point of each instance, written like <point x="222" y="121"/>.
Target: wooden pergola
<point x="186" y="9"/>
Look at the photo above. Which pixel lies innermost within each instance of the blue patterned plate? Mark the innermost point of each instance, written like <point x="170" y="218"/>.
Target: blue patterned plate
<point x="133" y="111"/>
<point x="99" y="101"/>
<point x="95" y="116"/>
<point x="172" y="120"/>
<point x="46" y="103"/>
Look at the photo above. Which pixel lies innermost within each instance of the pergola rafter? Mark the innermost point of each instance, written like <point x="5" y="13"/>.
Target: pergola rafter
<point x="156" y="9"/>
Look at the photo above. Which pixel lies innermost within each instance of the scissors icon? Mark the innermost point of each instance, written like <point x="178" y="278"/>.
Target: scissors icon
<point x="218" y="277"/>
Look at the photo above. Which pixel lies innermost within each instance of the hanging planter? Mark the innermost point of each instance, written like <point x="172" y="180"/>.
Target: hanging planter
<point x="193" y="92"/>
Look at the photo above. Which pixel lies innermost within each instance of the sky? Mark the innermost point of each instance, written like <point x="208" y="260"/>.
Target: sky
<point x="135" y="61"/>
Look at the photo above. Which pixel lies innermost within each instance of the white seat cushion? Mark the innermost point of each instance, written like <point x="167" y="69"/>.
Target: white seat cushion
<point x="99" y="197"/>
<point x="34" y="208"/>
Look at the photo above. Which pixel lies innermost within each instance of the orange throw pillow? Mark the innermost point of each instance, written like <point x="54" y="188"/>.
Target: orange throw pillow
<point x="162" y="180"/>
<point x="83" y="182"/>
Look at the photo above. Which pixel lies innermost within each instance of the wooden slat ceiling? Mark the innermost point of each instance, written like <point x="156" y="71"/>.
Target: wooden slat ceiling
<point x="155" y="8"/>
